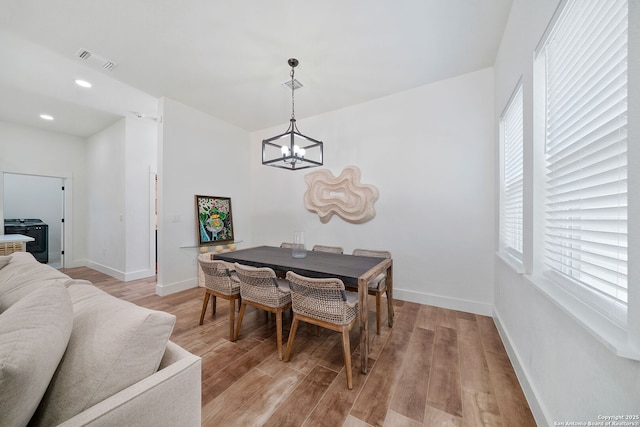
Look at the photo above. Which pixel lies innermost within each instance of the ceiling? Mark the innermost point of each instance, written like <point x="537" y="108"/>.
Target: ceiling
<point x="229" y="58"/>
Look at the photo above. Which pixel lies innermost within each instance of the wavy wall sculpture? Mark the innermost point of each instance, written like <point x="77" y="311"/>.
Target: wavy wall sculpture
<point x="344" y="196"/>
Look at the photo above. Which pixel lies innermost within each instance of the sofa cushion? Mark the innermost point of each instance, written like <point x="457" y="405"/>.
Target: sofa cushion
<point x="22" y="275"/>
<point x="34" y="333"/>
<point x="113" y="345"/>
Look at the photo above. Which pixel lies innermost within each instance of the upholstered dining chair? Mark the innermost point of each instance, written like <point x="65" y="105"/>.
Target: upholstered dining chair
<point x="219" y="281"/>
<point x="378" y="285"/>
<point x="260" y="288"/>
<point x="332" y="249"/>
<point x="325" y="303"/>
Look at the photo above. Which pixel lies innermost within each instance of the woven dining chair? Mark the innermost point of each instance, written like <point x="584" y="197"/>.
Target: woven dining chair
<point x="260" y="288"/>
<point x="378" y="285"/>
<point x="332" y="249"/>
<point x="219" y="281"/>
<point x="325" y="303"/>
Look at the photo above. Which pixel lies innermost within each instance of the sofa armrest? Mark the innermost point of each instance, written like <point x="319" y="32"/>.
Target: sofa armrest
<point x="170" y="397"/>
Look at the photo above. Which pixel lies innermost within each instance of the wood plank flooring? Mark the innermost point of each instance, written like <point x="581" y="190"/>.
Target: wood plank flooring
<point x="435" y="367"/>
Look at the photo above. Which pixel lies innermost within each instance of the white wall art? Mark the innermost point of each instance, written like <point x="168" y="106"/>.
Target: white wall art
<point x="344" y="196"/>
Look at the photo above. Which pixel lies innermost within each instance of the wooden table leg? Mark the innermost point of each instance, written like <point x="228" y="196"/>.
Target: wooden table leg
<point x="391" y="314"/>
<point x="364" y="325"/>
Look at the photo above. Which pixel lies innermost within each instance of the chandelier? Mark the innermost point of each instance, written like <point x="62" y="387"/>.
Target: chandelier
<point x="292" y="150"/>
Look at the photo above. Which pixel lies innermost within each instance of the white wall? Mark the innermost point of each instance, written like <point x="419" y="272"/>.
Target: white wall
<point x="141" y="165"/>
<point x="25" y="150"/>
<point x="120" y="160"/>
<point x="431" y="153"/>
<point x="567" y="374"/>
<point x="107" y="181"/>
<point x="197" y="155"/>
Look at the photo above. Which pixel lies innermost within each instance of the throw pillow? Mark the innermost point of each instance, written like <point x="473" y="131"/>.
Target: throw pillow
<point x="34" y="333"/>
<point x="22" y="275"/>
<point x="113" y="345"/>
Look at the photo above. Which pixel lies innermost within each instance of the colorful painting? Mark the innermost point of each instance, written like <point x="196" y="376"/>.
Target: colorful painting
<point x="214" y="221"/>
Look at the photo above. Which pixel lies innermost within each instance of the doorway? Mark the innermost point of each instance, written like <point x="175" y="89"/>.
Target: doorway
<point x="38" y="197"/>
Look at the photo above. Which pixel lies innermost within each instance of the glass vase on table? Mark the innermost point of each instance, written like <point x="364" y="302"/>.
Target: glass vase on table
<point x="298" y="250"/>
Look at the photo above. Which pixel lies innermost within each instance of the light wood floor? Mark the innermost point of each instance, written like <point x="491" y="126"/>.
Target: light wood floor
<point x="435" y="367"/>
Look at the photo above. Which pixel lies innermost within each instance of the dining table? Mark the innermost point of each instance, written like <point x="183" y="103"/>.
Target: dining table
<point x="354" y="271"/>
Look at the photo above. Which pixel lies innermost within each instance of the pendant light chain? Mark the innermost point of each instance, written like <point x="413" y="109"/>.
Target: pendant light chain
<point x="293" y="103"/>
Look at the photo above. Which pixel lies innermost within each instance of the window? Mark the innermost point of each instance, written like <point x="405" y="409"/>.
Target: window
<point x="585" y="240"/>
<point x="511" y="138"/>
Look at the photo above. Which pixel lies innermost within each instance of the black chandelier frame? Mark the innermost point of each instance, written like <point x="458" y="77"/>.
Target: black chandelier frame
<point x="289" y="155"/>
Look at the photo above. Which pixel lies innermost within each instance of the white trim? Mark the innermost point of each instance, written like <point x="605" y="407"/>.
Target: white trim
<point x="607" y="333"/>
<point x="172" y="288"/>
<point x="152" y="220"/>
<point x="106" y="270"/>
<point x="513" y="262"/>
<point x="510" y="143"/>
<point x="518" y="87"/>
<point x="535" y="404"/>
<point x="75" y="263"/>
<point x="552" y="23"/>
<point x="120" y="275"/>
<point x="468" y="306"/>
<point x="140" y="274"/>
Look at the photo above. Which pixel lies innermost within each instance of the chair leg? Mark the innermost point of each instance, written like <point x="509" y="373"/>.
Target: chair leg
<point x="243" y="307"/>
<point x="378" y="313"/>
<point x="279" y="332"/>
<point x="232" y="313"/>
<point x="204" y="306"/>
<point x="346" y="349"/>
<point x="292" y="335"/>
<point x="213" y="305"/>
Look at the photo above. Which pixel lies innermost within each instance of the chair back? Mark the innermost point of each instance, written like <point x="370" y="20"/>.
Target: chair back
<point x="217" y="275"/>
<point x="322" y="299"/>
<point x="261" y="285"/>
<point x="372" y="253"/>
<point x="332" y="249"/>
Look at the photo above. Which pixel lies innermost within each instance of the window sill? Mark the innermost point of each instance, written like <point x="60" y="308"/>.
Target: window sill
<point x="511" y="261"/>
<point x="607" y="333"/>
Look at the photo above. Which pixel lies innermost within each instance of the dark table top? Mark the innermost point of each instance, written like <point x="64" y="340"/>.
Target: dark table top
<point x="316" y="264"/>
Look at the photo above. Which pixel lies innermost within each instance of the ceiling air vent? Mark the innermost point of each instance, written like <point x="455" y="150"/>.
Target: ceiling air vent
<point x="296" y="84"/>
<point x="95" y="60"/>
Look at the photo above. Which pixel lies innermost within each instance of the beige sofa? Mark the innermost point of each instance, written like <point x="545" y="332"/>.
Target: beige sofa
<point x="73" y="355"/>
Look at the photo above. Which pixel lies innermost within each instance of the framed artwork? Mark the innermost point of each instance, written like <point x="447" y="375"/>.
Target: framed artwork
<point x="214" y="220"/>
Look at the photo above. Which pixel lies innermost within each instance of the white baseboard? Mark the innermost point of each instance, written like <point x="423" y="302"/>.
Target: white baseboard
<point x="172" y="288"/>
<point x="161" y="289"/>
<point x="445" y="302"/>
<point x="75" y="263"/>
<point x="106" y="270"/>
<point x="532" y="397"/>
<point x="140" y="274"/>
<point x="120" y="275"/>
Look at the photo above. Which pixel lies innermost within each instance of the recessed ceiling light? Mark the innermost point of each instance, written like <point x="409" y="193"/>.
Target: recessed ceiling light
<point x="46" y="117"/>
<point x="83" y="83"/>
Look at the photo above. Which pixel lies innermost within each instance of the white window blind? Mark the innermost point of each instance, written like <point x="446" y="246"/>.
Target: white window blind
<point x="511" y="124"/>
<point x="586" y="146"/>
